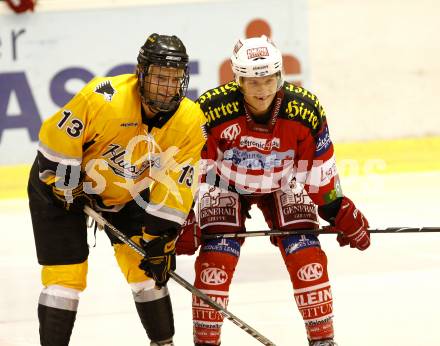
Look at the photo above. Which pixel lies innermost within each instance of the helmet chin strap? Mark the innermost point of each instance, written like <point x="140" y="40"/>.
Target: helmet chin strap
<point x="150" y="110"/>
<point x="155" y="108"/>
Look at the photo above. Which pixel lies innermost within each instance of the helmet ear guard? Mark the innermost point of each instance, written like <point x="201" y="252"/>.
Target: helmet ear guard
<point x="166" y="52"/>
<point x="257" y="57"/>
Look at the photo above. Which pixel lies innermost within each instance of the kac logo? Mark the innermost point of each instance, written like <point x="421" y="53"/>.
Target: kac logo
<point x="213" y="276"/>
<point x="310" y="272"/>
<point x="231" y="132"/>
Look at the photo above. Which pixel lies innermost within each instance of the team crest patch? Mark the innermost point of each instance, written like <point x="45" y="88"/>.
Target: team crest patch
<point x="105" y="89"/>
<point x="231" y="132"/>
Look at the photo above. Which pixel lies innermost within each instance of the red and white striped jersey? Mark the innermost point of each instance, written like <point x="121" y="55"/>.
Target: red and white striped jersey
<point x="292" y="149"/>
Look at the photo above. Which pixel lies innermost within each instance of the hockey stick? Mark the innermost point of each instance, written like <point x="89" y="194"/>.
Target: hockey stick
<point x="316" y="231"/>
<point x="100" y="220"/>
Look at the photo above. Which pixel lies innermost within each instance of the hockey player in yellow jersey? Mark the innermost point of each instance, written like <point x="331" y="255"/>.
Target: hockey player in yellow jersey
<point x="129" y="146"/>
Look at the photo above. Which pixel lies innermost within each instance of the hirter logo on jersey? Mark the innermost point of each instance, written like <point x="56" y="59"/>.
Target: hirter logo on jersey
<point x="258" y="52"/>
<point x="106" y="89"/>
<point x="231" y="132"/>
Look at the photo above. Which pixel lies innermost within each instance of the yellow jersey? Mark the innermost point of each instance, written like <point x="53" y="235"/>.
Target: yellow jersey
<point x="102" y="132"/>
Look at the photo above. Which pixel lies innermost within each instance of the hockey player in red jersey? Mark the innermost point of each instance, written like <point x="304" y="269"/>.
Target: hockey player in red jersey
<point x="267" y="139"/>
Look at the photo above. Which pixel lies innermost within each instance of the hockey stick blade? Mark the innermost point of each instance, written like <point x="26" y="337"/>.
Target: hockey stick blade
<point x="181" y="281"/>
<point x="317" y="232"/>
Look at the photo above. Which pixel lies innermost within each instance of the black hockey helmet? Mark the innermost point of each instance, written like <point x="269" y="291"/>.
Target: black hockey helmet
<point x="166" y="52"/>
<point x="163" y="50"/>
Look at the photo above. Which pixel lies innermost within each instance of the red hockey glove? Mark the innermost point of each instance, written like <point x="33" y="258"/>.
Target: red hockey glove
<point x="353" y="225"/>
<point x="20" y="6"/>
<point x="189" y="238"/>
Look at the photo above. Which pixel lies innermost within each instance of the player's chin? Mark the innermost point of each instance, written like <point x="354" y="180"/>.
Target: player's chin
<point x="163" y="100"/>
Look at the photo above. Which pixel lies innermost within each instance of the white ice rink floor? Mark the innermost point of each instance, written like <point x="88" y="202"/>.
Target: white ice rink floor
<point x="387" y="295"/>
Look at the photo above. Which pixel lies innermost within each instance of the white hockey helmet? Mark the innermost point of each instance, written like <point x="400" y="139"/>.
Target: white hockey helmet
<point x="256" y="57"/>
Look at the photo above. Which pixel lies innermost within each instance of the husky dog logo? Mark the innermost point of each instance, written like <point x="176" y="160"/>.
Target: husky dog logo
<point x="105" y="89"/>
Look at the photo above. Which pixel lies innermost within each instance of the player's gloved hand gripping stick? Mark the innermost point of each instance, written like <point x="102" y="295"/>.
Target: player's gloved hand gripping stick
<point x="160" y="256"/>
<point x="72" y="199"/>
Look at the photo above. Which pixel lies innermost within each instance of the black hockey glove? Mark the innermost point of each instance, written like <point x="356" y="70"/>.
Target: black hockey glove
<point x="72" y="199"/>
<point x="160" y="256"/>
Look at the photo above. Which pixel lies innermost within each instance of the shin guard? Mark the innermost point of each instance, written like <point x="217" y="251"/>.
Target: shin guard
<point x="156" y="314"/>
<point x="57" y="309"/>
<point x="215" y="268"/>
<point x="307" y="266"/>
